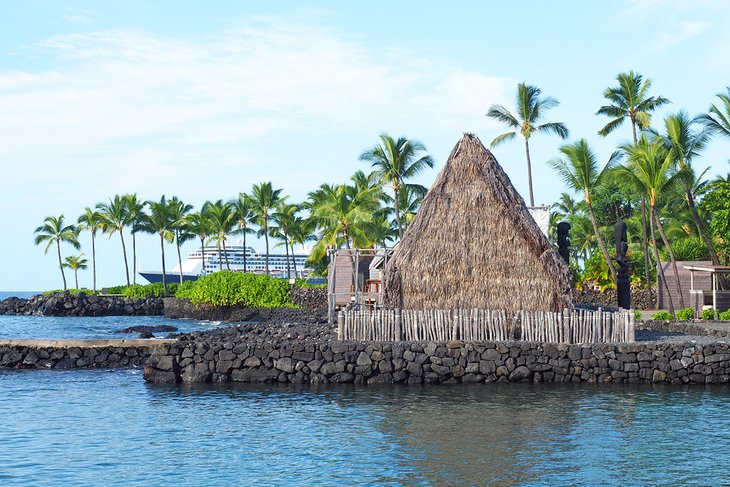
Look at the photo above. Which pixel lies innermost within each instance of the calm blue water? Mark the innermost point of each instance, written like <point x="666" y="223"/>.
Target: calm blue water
<point x="54" y="327"/>
<point x="103" y="427"/>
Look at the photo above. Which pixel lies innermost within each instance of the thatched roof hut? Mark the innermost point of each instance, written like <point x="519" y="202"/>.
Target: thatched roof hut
<point x="473" y="244"/>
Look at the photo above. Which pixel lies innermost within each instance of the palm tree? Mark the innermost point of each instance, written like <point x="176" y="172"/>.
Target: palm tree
<point x="651" y="167"/>
<point x="178" y="210"/>
<point x="115" y="218"/>
<point x="91" y="220"/>
<point x="263" y="200"/>
<point x="244" y="216"/>
<point x="76" y="262"/>
<point x="530" y="110"/>
<point x="199" y="225"/>
<point x="581" y="172"/>
<point x="222" y="220"/>
<point x="684" y="144"/>
<point x="395" y="161"/>
<point x="53" y="231"/>
<point x="159" y="221"/>
<point x="134" y="210"/>
<point x="630" y="100"/>
<point x="344" y="217"/>
<point x="301" y="232"/>
<point x="283" y="220"/>
<point x="717" y="119"/>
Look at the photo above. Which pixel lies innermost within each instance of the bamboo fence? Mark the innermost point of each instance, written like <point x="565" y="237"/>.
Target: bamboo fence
<point x="570" y="326"/>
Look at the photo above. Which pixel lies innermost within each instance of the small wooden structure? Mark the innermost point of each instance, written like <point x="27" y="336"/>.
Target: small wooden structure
<point x="700" y="273"/>
<point x="701" y="282"/>
<point x="360" y="288"/>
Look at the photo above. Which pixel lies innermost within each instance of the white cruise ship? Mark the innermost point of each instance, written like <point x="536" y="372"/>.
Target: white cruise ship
<point x="215" y="260"/>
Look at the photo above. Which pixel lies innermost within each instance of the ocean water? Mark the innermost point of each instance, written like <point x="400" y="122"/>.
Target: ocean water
<point x="108" y="427"/>
<point x="55" y="327"/>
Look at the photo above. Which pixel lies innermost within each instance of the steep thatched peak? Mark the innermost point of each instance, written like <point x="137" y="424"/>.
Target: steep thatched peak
<point x="473" y="244"/>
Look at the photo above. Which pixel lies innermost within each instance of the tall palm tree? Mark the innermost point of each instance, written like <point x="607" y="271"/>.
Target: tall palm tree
<point x="244" y="215"/>
<point x="222" y="220"/>
<point x="283" y="220"/>
<point x="115" y="218"/>
<point x="717" y="119"/>
<point x="134" y="210"/>
<point x="198" y="224"/>
<point x="76" y="262"/>
<point x="55" y="231"/>
<point x="158" y="220"/>
<point x="683" y="144"/>
<point x="263" y="200"/>
<point x="178" y="211"/>
<point x="630" y="100"/>
<point x="530" y="111"/>
<point x="91" y="220"/>
<point x="396" y="161"/>
<point x="581" y="171"/>
<point x="651" y="167"/>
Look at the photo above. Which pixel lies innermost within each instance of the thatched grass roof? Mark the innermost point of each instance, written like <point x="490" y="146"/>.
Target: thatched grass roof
<point x="473" y="244"/>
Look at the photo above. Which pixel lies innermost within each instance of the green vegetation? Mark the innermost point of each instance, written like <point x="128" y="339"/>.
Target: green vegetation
<point x="686" y="314"/>
<point x="725" y="315"/>
<point x="708" y="314"/>
<point x="662" y="316"/>
<point x="226" y="288"/>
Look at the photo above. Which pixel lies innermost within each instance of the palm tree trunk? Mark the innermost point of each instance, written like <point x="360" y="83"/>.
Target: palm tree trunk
<point x="93" y="258"/>
<point x="220" y="258"/>
<point x="529" y="173"/>
<point x="671" y="259"/>
<point x="286" y="247"/>
<point x="266" y="237"/>
<point x="225" y="252"/>
<point x="600" y="240"/>
<point x="179" y="259"/>
<point x="76" y="277"/>
<point x="124" y="252"/>
<point x="659" y="263"/>
<point x="164" y="272"/>
<point x="293" y="259"/>
<point x="60" y="264"/>
<point x="245" y="267"/>
<point x="701" y="228"/>
<point x="134" y="258"/>
<point x="645" y="246"/>
<point x="397" y="211"/>
<point x="202" y="249"/>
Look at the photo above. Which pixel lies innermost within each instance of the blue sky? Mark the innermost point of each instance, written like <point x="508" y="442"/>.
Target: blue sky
<point x="203" y="99"/>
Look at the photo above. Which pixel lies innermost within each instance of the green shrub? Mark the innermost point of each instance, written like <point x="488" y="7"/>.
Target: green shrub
<point x="637" y="315"/>
<point x="182" y="290"/>
<point x="725" y="315"/>
<point x="708" y="314"/>
<point x="686" y="314"/>
<point x="70" y="291"/>
<point x="154" y="290"/>
<point x="116" y="289"/>
<point x="687" y="248"/>
<point x="662" y="316"/>
<point x="302" y="283"/>
<point x="227" y="288"/>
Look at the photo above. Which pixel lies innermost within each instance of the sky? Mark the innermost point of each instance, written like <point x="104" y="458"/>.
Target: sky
<point x="204" y="99"/>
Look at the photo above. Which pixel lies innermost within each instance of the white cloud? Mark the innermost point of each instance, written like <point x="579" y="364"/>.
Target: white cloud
<point x="132" y="105"/>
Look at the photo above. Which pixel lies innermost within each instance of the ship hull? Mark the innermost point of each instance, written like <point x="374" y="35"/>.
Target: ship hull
<point x="153" y="277"/>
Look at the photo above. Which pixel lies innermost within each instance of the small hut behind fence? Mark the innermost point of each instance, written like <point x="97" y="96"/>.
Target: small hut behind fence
<point x="473" y="244"/>
<point x="474" y="265"/>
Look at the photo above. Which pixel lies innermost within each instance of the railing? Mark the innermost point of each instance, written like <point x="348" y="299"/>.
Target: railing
<point x="576" y="326"/>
